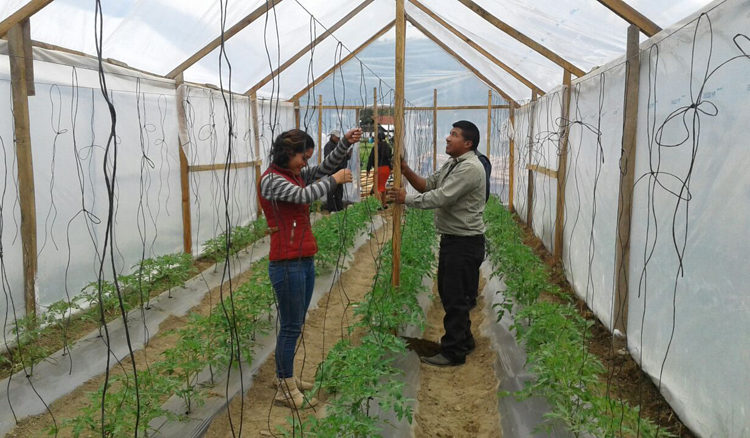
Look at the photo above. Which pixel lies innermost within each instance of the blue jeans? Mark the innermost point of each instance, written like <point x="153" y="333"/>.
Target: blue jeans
<point x="293" y="282"/>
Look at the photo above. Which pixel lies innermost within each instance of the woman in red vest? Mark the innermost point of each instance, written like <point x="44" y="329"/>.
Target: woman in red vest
<point x="287" y="188"/>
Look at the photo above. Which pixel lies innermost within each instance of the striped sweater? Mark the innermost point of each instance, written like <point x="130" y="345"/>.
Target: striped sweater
<point x="318" y="181"/>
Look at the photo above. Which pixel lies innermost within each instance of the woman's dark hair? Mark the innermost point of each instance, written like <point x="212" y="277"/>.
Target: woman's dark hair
<point x="288" y="143"/>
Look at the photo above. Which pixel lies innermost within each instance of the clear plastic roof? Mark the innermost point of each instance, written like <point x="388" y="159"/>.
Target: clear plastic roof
<point x="157" y="35"/>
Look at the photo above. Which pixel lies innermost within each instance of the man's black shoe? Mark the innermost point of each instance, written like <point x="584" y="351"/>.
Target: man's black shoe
<point x="439" y="360"/>
<point x="470" y="346"/>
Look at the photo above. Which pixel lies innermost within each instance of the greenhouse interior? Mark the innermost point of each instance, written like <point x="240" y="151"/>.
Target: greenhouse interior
<point x="158" y="153"/>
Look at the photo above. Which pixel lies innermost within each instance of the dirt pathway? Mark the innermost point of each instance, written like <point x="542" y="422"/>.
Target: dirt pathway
<point x="323" y="328"/>
<point x="459" y="401"/>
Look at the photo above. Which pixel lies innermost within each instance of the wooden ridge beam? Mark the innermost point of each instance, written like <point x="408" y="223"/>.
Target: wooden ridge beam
<point x="632" y="16"/>
<point x="510" y="30"/>
<point x="463" y="62"/>
<point x="477" y="47"/>
<point x="308" y="47"/>
<point x="344" y="60"/>
<point x="228" y="33"/>
<point x="21" y="14"/>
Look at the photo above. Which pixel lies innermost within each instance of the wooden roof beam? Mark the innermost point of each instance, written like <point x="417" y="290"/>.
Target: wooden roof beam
<point x="228" y="33"/>
<point x="463" y="62"/>
<point x="510" y="30"/>
<point x="477" y="47"/>
<point x="307" y="48"/>
<point x="23" y="13"/>
<point x="629" y="14"/>
<point x="344" y="60"/>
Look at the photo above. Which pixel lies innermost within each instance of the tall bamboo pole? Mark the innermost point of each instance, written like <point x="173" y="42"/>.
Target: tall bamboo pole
<point x="320" y="128"/>
<point x="434" y="129"/>
<point x="182" y="135"/>
<point x="512" y="158"/>
<point x="398" y="136"/>
<point x="530" y="191"/>
<point x="376" y="141"/>
<point x="256" y="137"/>
<point x="562" y="165"/>
<point x="489" y="120"/>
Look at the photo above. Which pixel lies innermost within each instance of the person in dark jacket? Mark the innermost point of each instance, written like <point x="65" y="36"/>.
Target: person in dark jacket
<point x="335" y="198"/>
<point x="385" y="156"/>
<point x="286" y="190"/>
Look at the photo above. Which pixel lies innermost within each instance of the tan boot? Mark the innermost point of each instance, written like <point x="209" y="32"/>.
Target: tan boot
<point x="302" y="385"/>
<point x="291" y="396"/>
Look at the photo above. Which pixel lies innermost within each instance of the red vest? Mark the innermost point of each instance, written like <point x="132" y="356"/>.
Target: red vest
<point x="288" y="223"/>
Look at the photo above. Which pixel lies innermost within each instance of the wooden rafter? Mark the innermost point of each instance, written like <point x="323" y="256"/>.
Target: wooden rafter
<point x="308" y="47"/>
<point x="476" y="46"/>
<point x="23" y="13"/>
<point x="510" y="30"/>
<point x="344" y="60"/>
<point x="229" y="33"/>
<point x="458" y="58"/>
<point x="629" y="14"/>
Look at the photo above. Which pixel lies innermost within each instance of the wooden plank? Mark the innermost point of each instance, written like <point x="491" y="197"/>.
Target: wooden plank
<point x="627" y="173"/>
<point x="632" y="16"/>
<point x="511" y="158"/>
<point x="489" y="120"/>
<point x="222" y="166"/>
<point x="530" y="185"/>
<point x="510" y="30"/>
<point x="477" y="47"/>
<point x="398" y="137"/>
<point x="344" y="60"/>
<point x="23" y="13"/>
<point x="308" y="47"/>
<point x="562" y="166"/>
<point x="228" y="33"/>
<point x="27" y="199"/>
<point x="434" y="129"/>
<point x="320" y="128"/>
<point x="543" y="170"/>
<point x="184" y="139"/>
<point x="296" y="114"/>
<point x="463" y="62"/>
<point x="420" y="108"/>
<point x="256" y="138"/>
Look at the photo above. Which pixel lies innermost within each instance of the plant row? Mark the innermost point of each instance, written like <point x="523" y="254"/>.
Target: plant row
<point x="218" y="341"/>
<point x="554" y="335"/>
<point x="359" y="369"/>
<point x="36" y="336"/>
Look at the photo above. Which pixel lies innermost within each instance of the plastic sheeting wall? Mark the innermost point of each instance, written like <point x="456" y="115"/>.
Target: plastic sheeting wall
<point x="688" y="312"/>
<point x="591" y="191"/>
<point x="688" y="302"/>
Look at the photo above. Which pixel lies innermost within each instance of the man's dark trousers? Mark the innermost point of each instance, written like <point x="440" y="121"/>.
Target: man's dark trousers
<point x="458" y="272"/>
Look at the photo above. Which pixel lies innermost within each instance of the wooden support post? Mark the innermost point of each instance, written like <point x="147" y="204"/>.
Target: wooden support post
<point x="511" y="158"/>
<point x="398" y="137"/>
<point x="296" y="114"/>
<point x="256" y="138"/>
<point x="489" y="120"/>
<point x="320" y="128"/>
<point x="530" y="191"/>
<point x="627" y="173"/>
<point x="376" y="141"/>
<point x="184" y="139"/>
<point x="562" y="165"/>
<point x="19" y="65"/>
<point x="434" y="130"/>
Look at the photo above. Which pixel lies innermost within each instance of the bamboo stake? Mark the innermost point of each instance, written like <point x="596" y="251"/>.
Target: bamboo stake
<point x="256" y="137"/>
<point x="398" y="137"/>
<point x="434" y="129"/>
<point x="489" y="120"/>
<point x="530" y="192"/>
<point x="512" y="158"/>
<point x="377" y="140"/>
<point x="320" y="128"/>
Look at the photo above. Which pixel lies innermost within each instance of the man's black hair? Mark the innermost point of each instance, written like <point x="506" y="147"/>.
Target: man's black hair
<point x="469" y="131"/>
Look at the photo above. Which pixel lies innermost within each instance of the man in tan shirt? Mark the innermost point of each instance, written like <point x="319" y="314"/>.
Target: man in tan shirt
<point x="457" y="194"/>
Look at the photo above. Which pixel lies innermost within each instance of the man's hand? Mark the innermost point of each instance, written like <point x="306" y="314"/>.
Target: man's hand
<point x="396" y="195"/>
<point x="343" y="176"/>
<point x="353" y="135"/>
